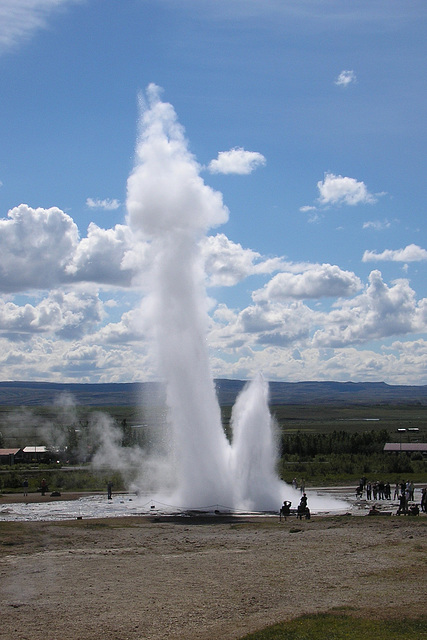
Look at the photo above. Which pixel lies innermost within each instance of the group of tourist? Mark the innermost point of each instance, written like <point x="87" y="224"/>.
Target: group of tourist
<point x="404" y="492"/>
<point x="380" y="490"/>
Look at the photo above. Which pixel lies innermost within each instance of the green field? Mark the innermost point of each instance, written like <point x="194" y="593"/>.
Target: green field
<point x="21" y="422"/>
<point x="343" y="627"/>
<point x="324" y="444"/>
<point x="355" y="418"/>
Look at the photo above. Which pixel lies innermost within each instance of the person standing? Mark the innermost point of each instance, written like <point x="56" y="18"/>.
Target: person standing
<point x="110" y="490"/>
<point x="25" y="486"/>
<point x="403" y="505"/>
<point x="375" y="490"/>
<point x="387" y="491"/>
<point x="303" y="510"/>
<point x="396" y="491"/>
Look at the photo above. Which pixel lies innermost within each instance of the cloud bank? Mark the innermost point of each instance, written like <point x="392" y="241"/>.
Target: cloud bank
<point x="74" y="306"/>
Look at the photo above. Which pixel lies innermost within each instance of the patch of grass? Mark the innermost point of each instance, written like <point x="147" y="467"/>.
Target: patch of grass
<point x="343" y="627"/>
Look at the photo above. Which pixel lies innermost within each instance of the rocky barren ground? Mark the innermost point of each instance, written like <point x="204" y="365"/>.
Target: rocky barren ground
<point x="212" y="577"/>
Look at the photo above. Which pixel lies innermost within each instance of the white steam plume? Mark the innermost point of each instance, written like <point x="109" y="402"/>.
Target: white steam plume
<point x="168" y="201"/>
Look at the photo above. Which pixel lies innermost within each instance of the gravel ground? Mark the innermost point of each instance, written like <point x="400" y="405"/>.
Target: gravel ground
<point x="204" y="577"/>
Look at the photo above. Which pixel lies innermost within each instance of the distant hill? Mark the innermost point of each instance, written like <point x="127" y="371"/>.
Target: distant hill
<point x="131" y="394"/>
<point x="338" y="393"/>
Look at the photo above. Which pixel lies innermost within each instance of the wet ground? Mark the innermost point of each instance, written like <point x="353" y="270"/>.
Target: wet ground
<point x="322" y="500"/>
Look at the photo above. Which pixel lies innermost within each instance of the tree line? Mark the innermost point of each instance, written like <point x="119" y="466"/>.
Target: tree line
<point x="308" y="445"/>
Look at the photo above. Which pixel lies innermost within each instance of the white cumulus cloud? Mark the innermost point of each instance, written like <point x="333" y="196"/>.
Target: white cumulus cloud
<point x="345" y="78"/>
<point x="238" y="161"/>
<point x="36" y="246"/>
<point x="104" y="257"/>
<point x="275" y="324"/>
<point x="379" y="312"/>
<point x="67" y="315"/>
<point x="343" y="190"/>
<point x="318" y="281"/>
<point x="41" y="249"/>
<point x="411" y="253"/>
<point x="228" y="263"/>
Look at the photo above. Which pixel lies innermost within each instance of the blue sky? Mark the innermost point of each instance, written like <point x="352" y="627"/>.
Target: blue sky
<point x="308" y="116"/>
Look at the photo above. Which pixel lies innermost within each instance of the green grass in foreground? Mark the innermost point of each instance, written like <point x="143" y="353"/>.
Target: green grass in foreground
<point x="343" y="627"/>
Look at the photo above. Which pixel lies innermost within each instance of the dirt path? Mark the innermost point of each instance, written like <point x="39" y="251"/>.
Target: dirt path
<point x="134" y="578"/>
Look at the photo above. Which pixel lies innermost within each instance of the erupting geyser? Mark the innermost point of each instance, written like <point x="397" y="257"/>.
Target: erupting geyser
<point x="170" y="206"/>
